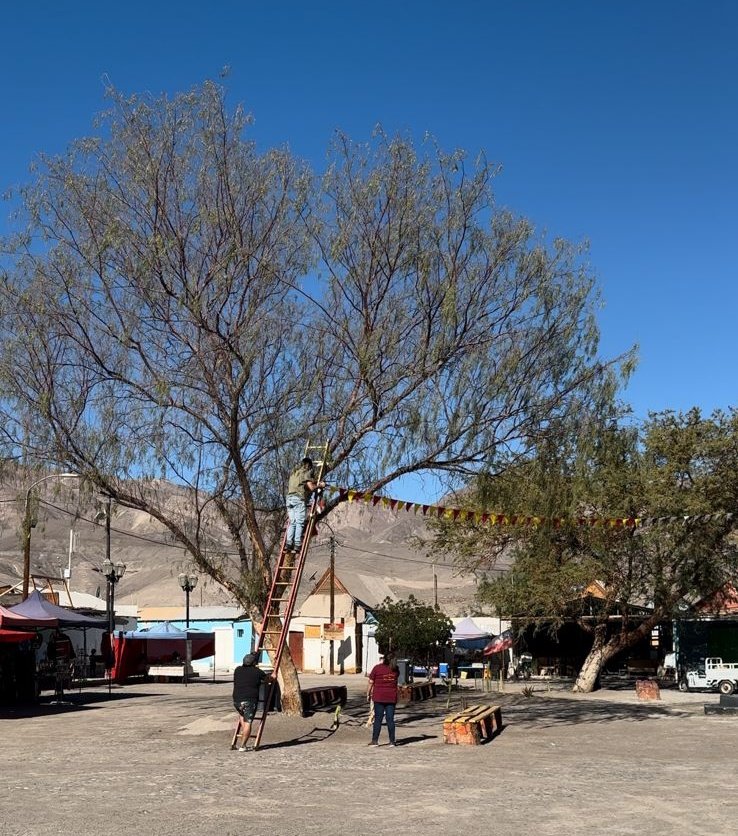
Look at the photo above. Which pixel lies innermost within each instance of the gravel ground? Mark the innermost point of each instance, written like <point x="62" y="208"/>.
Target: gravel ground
<point x="155" y="759"/>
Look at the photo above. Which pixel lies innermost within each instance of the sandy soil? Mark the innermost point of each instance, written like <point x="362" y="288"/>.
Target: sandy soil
<point x="155" y="759"/>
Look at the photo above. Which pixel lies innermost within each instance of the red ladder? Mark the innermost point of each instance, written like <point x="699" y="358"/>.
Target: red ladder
<point x="285" y="584"/>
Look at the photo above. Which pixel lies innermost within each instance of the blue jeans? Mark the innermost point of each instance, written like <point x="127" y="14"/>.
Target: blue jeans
<point x="382" y="709"/>
<point x="296" y="515"/>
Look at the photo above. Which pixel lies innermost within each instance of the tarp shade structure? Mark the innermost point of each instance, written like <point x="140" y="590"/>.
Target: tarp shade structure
<point x="8" y="636"/>
<point x="9" y="619"/>
<point x="469" y="636"/>
<point x="37" y="607"/>
<point x="136" y="650"/>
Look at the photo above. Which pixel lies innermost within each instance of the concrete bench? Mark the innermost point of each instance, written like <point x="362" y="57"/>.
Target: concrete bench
<point x="473" y="725"/>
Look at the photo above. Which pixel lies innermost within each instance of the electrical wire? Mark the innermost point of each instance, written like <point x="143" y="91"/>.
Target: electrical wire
<point x="145" y="539"/>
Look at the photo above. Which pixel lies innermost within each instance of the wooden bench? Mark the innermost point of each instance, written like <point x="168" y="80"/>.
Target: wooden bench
<point x="416" y="691"/>
<point x="473" y="725"/>
<point x="323" y="697"/>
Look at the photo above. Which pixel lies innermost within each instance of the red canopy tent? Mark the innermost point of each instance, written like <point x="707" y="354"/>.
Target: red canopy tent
<point x="136" y="650"/>
<point x="15" y="636"/>
<point x="11" y="619"/>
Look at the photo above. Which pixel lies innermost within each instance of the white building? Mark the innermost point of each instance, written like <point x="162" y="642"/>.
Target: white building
<point x="311" y="634"/>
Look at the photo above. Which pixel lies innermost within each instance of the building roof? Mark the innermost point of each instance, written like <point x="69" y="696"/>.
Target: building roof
<point x="367" y="590"/>
<point x="83" y="600"/>
<point x="221" y="613"/>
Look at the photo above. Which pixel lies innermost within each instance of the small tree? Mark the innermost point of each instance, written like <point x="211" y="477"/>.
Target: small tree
<point x="411" y="628"/>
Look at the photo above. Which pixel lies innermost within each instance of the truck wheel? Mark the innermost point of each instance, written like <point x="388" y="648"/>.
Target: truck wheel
<point x="726" y="686"/>
<point x="683" y="685"/>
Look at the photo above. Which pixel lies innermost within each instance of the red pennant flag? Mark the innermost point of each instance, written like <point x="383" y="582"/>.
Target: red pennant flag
<point x="376" y="500"/>
<point x="425" y="509"/>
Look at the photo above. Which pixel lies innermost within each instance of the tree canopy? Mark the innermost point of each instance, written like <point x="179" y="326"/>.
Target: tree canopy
<point x="410" y="628"/>
<point x="179" y="305"/>
<point x="674" y="480"/>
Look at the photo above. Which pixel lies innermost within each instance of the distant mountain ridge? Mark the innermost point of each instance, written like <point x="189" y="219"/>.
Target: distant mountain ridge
<point x="371" y="541"/>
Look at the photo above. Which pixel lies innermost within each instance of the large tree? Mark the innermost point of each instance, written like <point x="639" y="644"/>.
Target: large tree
<point x="181" y="306"/>
<point x="647" y="512"/>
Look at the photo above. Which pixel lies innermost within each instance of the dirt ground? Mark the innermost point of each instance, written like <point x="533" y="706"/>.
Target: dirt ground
<point x="155" y="759"/>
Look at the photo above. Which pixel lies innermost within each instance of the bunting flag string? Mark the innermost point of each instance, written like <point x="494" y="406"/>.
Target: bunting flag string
<point x="484" y="518"/>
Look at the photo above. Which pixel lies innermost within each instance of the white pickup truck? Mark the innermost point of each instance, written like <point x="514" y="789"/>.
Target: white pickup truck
<point x="715" y="674"/>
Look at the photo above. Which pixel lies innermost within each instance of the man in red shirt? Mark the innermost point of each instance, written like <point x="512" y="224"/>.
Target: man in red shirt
<point x="383" y="690"/>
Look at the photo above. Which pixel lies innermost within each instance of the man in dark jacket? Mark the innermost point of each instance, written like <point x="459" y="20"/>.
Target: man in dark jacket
<point x="247" y="679"/>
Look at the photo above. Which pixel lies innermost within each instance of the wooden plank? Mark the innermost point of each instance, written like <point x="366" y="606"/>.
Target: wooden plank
<point x="473" y="712"/>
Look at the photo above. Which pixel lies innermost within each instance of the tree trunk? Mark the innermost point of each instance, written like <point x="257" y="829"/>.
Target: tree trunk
<point x="602" y="651"/>
<point x="289" y="682"/>
<point x="595" y="661"/>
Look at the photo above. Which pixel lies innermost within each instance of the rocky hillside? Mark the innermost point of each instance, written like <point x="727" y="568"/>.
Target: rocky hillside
<point x="370" y="542"/>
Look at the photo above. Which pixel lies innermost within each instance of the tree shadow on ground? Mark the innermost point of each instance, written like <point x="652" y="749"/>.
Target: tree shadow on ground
<point x="48" y="706"/>
<point x="551" y="712"/>
<point x="538" y="711"/>
<point x="315" y="735"/>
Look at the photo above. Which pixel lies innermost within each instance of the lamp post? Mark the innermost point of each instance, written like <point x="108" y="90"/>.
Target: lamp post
<point x="28" y="525"/>
<point x="113" y="573"/>
<point x="188" y="583"/>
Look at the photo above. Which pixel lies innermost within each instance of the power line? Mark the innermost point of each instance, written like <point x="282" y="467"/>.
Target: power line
<point x="155" y="542"/>
<point x="390" y="556"/>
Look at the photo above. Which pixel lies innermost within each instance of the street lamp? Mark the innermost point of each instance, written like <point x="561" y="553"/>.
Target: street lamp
<point x="188" y="583"/>
<point x="28" y="524"/>
<point x="113" y="573"/>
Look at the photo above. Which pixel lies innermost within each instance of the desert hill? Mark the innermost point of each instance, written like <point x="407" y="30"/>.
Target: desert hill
<point x="370" y="542"/>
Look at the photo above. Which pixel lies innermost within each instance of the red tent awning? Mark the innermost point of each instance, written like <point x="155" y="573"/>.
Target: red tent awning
<point x="8" y="618"/>
<point x="7" y="636"/>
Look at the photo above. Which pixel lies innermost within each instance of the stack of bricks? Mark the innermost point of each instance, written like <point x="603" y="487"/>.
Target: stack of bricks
<point x="647" y="689"/>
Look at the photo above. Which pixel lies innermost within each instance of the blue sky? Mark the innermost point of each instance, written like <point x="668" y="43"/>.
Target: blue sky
<point x="614" y="122"/>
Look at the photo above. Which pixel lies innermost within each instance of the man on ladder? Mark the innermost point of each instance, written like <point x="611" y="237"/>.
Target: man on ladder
<point x="302" y="483"/>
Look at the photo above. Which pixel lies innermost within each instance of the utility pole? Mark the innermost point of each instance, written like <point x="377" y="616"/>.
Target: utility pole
<point x="29" y="523"/>
<point x="435" y="587"/>
<point x="332" y="616"/>
<point x="110" y="597"/>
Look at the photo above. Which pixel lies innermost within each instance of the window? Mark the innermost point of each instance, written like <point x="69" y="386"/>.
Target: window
<point x="239" y="632"/>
